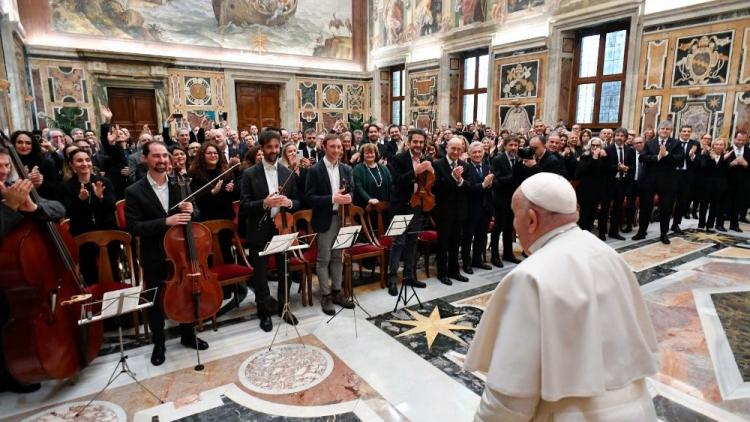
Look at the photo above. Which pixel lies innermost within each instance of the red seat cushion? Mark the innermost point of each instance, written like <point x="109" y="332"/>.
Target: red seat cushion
<point x="363" y="248"/>
<point x="228" y="271"/>
<point x="428" y="236"/>
<point x="385" y="241"/>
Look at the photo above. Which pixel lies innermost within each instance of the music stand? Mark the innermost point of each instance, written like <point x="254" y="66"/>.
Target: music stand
<point x="344" y="240"/>
<point x="283" y="243"/>
<point x="114" y="304"/>
<point x="398" y="227"/>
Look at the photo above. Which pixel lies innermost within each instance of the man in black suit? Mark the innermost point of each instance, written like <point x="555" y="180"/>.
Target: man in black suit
<point x="545" y="161"/>
<point x="686" y="175"/>
<point x="261" y="202"/>
<point x="405" y="167"/>
<point x="389" y="147"/>
<point x="505" y="182"/>
<point x="620" y="162"/>
<point x="328" y="187"/>
<point x="479" y="184"/>
<point x="451" y="209"/>
<point x="738" y="194"/>
<point x="307" y="146"/>
<point x="662" y="156"/>
<point x="147" y="205"/>
<point x="641" y="185"/>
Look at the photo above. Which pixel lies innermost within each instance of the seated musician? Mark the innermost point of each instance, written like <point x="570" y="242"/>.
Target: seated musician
<point x="15" y="203"/>
<point x="260" y="186"/>
<point x="325" y="194"/>
<point x="147" y="202"/>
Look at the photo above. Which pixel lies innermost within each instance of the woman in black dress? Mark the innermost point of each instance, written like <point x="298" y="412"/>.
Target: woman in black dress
<point x="712" y="184"/>
<point x="592" y="174"/>
<point x="42" y="172"/>
<point x="90" y="205"/>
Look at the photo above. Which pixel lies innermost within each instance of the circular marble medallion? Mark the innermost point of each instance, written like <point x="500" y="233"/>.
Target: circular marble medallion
<point x="100" y="411"/>
<point x="287" y="368"/>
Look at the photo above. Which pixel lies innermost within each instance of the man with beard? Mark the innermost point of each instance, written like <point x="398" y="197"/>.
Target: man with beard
<point x="621" y="164"/>
<point x="405" y="167"/>
<point x="147" y="211"/>
<point x="308" y="146"/>
<point x="504" y="184"/>
<point x="260" y="186"/>
<point x="389" y="147"/>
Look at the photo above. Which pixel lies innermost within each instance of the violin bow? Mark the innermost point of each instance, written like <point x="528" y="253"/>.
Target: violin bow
<point x="202" y="188"/>
<point x="281" y="191"/>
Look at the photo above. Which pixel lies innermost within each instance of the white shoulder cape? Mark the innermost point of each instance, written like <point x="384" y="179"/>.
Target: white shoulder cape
<point x="569" y="321"/>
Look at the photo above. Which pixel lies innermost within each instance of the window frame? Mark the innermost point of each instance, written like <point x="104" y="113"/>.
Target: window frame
<point x="398" y="98"/>
<point x="476" y="91"/>
<point x="599" y="78"/>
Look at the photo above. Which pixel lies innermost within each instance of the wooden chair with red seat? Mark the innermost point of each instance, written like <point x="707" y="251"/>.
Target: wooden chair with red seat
<point x="105" y="278"/>
<point x="364" y="250"/>
<point x="303" y="223"/>
<point x="229" y="273"/>
<point x="236" y="208"/>
<point x="427" y="244"/>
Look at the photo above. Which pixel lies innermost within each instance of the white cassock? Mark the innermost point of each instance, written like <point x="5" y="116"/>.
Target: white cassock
<point x="566" y="337"/>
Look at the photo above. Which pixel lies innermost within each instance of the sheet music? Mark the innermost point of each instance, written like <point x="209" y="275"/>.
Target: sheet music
<point x="398" y="225"/>
<point x="346" y="237"/>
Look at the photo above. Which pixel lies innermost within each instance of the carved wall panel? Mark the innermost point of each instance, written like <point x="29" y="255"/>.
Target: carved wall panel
<point x="650" y="113"/>
<point x="423" y="98"/>
<point x="519" y="88"/>
<point x="319" y="103"/>
<point x="704" y="114"/>
<point x="656" y="57"/>
<point x="702" y="59"/>
<point x="517" y="118"/>
<point x="741" y="118"/>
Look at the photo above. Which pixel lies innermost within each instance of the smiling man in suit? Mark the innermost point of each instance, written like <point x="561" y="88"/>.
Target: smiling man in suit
<point x="325" y="191"/>
<point x="260" y="185"/>
<point x="479" y="179"/>
<point x="147" y="205"/>
<point x="621" y="164"/>
<point x="686" y="174"/>
<point x="738" y="180"/>
<point x="451" y="209"/>
<point x="662" y="156"/>
<point x="504" y="183"/>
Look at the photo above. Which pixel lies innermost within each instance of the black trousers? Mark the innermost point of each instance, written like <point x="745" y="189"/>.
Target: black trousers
<point x="588" y="213"/>
<point x="504" y="225"/>
<point x="646" y="206"/>
<point x="736" y="203"/>
<point x="263" y="300"/>
<point x="449" y="240"/>
<point x="683" y="193"/>
<point x="665" y="188"/>
<point x="613" y="198"/>
<point x="713" y="202"/>
<point x="88" y="256"/>
<point x="633" y="196"/>
<point x="474" y="240"/>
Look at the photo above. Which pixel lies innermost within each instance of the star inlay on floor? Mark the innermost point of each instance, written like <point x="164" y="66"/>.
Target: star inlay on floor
<point x="432" y="326"/>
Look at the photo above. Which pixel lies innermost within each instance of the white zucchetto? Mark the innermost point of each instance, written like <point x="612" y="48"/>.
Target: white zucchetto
<point x="551" y="192"/>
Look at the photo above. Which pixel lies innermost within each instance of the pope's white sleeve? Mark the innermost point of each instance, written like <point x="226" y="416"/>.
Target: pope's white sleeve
<point x="497" y="407"/>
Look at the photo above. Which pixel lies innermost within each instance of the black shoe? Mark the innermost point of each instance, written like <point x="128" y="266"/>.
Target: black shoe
<point x="415" y="283"/>
<point x="266" y="324"/>
<point x="616" y="236"/>
<point x="289" y="318"/>
<point x="701" y="228"/>
<point x="194" y="342"/>
<point x="603" y="238"/>
<point x="677" y="230"/>
<point x="721" y="229"/>
<point x="627" y="229"/>
<point x="664" y="239"/>
<point x="497" y="262"/>
<point x="735" y="229"/>
<point x="157" y="355"/>
<point x="468" y="270"/>
<point x="482" y="266"/>
<point x="17" y="387"/>
<point x="512" y="259"/>
<point x="445" y="280"/>
<point x="708" y="230"/>
<point x="639" y="236"/>
<point x="459" y="277"/>
<point x="326" y="304"/>
<point x="392" y="290"/>
<point x="342" y="301"/>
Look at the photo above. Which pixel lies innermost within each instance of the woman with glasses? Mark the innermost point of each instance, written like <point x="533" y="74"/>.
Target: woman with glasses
<point x="592" y="174"/>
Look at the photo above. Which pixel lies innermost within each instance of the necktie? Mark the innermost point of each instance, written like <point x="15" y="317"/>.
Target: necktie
<point x="479" y="170"/>
<point x="512" y="162"/>
<point x="619" y="154"/>
<point x="637" y="166"/>
<point x="453" y="165"/>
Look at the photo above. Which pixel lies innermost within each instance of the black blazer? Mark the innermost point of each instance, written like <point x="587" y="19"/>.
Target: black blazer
<point x="404" y="178"/>
<point x="506" y="181"/>
<point x="593" y="177"/>
<point x="667" y="166"/>
<point x="319" y="195"/>
<point x="387" y="149"/>
<point x="713" y="175"/>
<point x="478" y="196"/>
<point x="612" y="161"/>
<point x="692" y="165"/>
<point x="200" y="137"/>
<point x="451" y="200"/>
<point x="254" y="190"/>
<point x="317" y="154"/>
<point x="552" y="163"/>
<point x="147" y="219"/>
<point x="738" y="175"/>
<point x="92" y="214"/>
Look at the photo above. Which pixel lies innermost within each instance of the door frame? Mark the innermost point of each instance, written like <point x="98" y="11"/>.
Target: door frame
<point x="101" y="85"/>
<point x="287" y="100"/>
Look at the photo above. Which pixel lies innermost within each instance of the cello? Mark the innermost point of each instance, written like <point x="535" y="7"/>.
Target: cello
<point x="42" y="339"/>
<point x="192" y="293"/>
<point x="423" y="197"/>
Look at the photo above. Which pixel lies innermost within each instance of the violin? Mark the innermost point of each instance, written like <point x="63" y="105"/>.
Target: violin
<point x="42" y="339"/>
<point x="423" y="197"/>
<point x="284" y="220"/>
<point x="192" y="293"/>
<point x="345" y="210"/>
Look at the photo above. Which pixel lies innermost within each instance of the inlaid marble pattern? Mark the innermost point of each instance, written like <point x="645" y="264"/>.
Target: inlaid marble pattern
<point x="659" y="253"/>
<point x="656" y="57"/>
<point x="733" y="309"/>
<point x="286" y="369"/>
<point x="97" y="411"/>
<point x="668" y="410"/>
<point x="732" y="252"/>
<point x="231" y="411"/>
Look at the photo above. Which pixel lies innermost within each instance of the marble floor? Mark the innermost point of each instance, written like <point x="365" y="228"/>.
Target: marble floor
<point x="405" y="365"/>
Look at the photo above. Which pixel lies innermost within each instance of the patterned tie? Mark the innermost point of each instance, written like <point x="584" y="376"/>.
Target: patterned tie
<point x="453" y="165"/>
<point x="479" y="170"/>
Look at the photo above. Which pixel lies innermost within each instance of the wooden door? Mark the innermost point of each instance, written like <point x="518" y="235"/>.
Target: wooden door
<point x="133" y="108"/>
<point x="257" y="104"/>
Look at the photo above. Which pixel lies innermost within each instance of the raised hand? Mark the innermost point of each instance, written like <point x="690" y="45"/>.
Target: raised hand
<point x="36" y="177"/>
<point x="106" y="113"/>
<point x="83" y="193"/>
<point x="229" y="187"/>
<point x="217" y="187"/>
<point x="98" y="188"/>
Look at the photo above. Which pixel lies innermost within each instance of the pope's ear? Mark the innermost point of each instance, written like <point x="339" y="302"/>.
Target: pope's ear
<point x="533" y="219"/>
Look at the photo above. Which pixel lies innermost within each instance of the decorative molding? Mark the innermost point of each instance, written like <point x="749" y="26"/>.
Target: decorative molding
<point x="703" y="59"/>
<point x="656" y="58"/>
<point x="744" y="76"/>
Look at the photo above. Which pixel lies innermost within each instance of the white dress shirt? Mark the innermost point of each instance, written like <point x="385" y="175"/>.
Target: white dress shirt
<point x="334" y="177"/>
<point x="161" y="191"/>
<point x="272" y="181"/>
